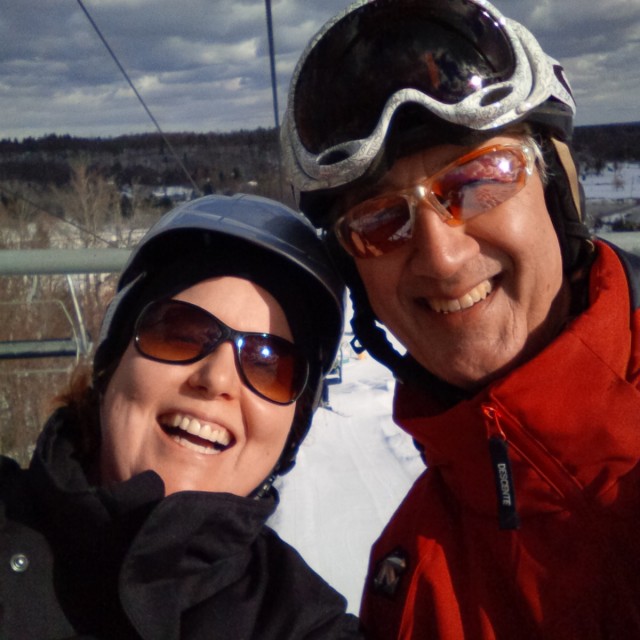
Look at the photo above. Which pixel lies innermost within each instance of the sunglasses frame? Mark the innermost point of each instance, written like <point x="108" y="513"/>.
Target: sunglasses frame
<point x="228" y="334"/>
<point x="423" y="192"/>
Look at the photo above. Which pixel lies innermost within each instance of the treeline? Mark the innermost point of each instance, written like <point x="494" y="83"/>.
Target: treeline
<point x="54" y="143"/>
<point x="215" y="160"/>
<point x="607" y="143"/>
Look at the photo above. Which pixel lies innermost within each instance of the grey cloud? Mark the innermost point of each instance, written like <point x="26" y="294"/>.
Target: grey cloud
<point x="203" y="64"/>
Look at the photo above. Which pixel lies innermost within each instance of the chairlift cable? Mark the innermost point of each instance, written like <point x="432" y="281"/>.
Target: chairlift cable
<point x="274" y="85"/>
<point x="137" y="94"/>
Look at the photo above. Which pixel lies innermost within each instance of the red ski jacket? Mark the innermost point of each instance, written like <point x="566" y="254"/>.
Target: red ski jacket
<point x="526" y="523"/>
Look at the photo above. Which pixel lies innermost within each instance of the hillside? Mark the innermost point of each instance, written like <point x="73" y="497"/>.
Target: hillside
<point x="216" y="162"/>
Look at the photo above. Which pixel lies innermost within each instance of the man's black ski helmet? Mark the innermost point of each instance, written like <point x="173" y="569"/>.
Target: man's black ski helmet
<point x="245" y="236"/>
<point x="384" y="78"/>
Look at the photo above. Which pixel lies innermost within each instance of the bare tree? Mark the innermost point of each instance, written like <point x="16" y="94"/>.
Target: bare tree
<point x="43" y="307"/>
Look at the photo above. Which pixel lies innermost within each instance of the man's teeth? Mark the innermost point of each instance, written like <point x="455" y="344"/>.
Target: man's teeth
<point x="446" y="305"/>
<point x="201" y="429"/>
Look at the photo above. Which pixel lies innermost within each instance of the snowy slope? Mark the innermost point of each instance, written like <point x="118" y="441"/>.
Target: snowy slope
<point x="616" y="182"/>
<point x="352" y="472"/>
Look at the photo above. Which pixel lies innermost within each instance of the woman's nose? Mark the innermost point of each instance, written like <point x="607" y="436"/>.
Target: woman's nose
<point x="438" y="249"/>
<point x="217" y="374"/>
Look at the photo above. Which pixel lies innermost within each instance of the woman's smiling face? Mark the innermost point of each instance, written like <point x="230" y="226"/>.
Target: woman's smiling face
<point x="197" y="425"/>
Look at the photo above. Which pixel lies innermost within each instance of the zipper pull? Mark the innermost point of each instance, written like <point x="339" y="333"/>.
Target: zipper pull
<point x="499" y="453"/>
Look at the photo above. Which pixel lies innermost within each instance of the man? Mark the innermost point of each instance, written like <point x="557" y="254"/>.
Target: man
<point x="429" y="139"/>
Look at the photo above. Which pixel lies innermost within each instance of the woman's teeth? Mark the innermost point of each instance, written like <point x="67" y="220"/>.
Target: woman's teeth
<point x="448" y="305"/>
<point x="193" y="434"/>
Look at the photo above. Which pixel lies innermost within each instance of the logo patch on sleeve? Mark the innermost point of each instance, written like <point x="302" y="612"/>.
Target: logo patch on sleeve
<point x="389" y="571"/>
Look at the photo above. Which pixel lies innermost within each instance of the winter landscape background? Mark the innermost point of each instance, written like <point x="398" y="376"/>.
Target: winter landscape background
<point x="356" y="465"/>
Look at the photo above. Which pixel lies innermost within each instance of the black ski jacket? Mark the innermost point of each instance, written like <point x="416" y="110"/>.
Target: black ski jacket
<point x="124" y="562"/>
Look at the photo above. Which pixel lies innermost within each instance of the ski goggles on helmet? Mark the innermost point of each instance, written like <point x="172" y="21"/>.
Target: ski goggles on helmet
<point x="471" y="185"/>
<point x="460" y="60"/>
<point x="177" y="332"/>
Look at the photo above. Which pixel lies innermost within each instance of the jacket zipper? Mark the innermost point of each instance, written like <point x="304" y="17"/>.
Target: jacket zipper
<point x="499" y="452"/>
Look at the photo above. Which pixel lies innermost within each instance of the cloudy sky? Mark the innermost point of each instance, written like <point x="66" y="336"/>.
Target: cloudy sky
<point x="202" y="65"/>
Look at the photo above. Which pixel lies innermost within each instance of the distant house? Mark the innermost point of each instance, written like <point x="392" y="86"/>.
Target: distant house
<point x="173" y="194"/>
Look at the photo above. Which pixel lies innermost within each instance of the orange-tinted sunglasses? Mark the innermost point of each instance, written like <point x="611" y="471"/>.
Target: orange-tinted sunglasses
<point x="471" y="185"/>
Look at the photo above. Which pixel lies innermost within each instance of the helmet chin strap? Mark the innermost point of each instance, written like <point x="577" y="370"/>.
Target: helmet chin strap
<point x="285" y="463"/>
<point x="265" y="488"/>
<point x="298" y="432"/>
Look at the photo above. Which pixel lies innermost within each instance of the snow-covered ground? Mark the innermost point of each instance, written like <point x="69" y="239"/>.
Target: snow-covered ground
<point x="353" y="470"/>
<point x="615" y="182"/>
<point x="613" y="196"/>
<point x="356" y="465"/>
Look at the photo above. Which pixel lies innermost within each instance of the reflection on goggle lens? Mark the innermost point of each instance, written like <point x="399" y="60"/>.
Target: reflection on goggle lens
<point x="177" y="332"/>
<point x="474" y="184"/>
<point x="446" y="49"/>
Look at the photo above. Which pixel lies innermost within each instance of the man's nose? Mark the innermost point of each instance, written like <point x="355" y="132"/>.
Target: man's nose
<point x="438" y="249"/>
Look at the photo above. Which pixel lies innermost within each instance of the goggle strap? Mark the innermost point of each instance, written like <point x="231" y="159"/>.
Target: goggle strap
<point x="569" y="166"/>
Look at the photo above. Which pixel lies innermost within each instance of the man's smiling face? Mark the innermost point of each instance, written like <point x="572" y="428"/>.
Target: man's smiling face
<point x="472" y="301"/>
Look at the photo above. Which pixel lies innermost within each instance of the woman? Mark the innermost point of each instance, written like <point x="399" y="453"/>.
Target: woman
<point x="143" y="512"/>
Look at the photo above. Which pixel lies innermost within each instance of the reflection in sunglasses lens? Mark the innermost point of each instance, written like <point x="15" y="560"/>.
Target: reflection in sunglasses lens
<point x="474" y="184"/>
<point x="268" y="367"/>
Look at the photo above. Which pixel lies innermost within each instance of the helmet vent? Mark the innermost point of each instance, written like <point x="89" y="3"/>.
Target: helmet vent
<point x="332" y="157"/>
<point x="562" y="78"/>
<point x="495" y="96"/>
